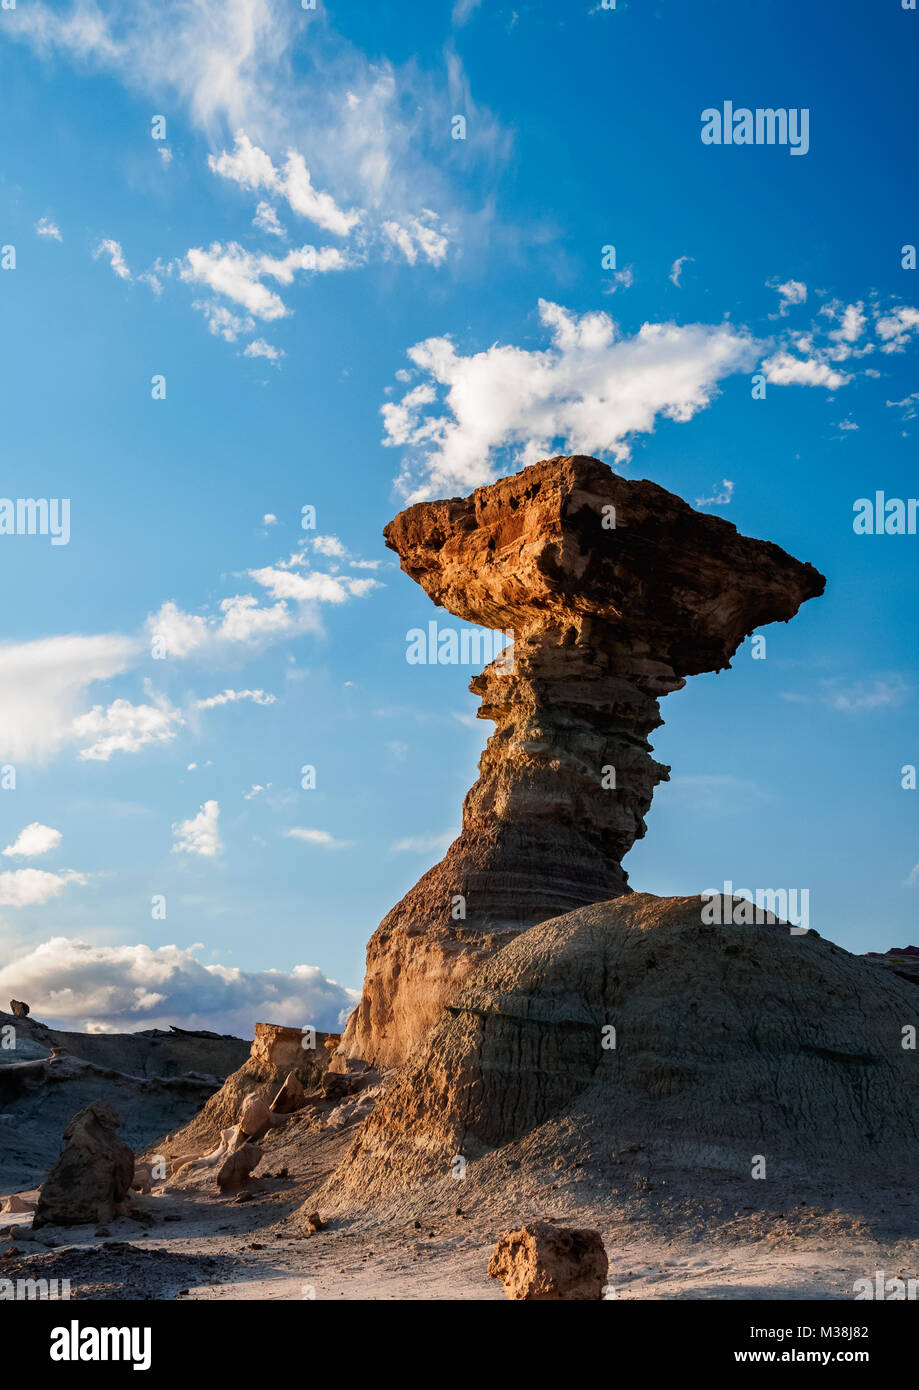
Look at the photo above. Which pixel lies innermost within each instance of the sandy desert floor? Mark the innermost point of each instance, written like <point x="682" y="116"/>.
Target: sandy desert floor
<point x="192" y="1245"/>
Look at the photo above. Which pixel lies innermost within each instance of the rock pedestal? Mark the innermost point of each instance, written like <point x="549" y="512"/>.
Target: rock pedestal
<point x="615" y="591"/>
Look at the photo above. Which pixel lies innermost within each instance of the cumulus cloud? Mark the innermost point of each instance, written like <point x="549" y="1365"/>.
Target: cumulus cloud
<point x="244" y="622"/>
<point x="75" y="985"/>
<point x="33" y="840"/>
<point x="252" y="168"/>
<point x="259" y="348"/>
<point x="790" y="293"/>
<point x="31" y="887"/>
<point x="591" y="391"/>
<point x="239" y="275"/>
<point x="896" y="327"/>
<point x="783" y="368"/>
<point x="199" y="834"/>
<point x="125" y="728"/>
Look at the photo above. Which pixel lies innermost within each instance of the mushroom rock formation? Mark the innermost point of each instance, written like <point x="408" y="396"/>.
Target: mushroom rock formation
<point x="614" y="591"/>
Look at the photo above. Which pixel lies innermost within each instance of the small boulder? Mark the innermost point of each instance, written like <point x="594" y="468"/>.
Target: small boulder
<point x="143" y="1176"/>
<point x="237" y="1167"/>
<point x="541" y="1263"/>
<point x="91" y="1180"/>
<point x="16" y="1203"/>
<point x="315" y="1223"/>
<point x="291" y="1096"/>
<point x="18" y="1008"/>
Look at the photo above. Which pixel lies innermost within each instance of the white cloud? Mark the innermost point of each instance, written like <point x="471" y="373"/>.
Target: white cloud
<point x="418" y="237"/>
<point x="896" y="327"/>
<point x="676" y="270"/>
<point x="46" y="228"/>
<point x="371" y="134"/>
<point x="259" y="348"/>
<point x="331" y="546"/>
<point x="718" y="499"/>
<point x="229" y="697"/>
<point x="790" y="293"/>
<point x="590" y="392"/>
<point x="852" y="321"/>
<point x="322" y="838"/>
<point x="113" y="250"/>
<point x="125" y="728"/>
<point x="199" y="834"/>
<point x="255" y="790"/>
<point x="44" y="685"/>
<point x="266" y="219"/>
<point x="33" y="840"/>
<point x="252" y="168"/>
<point x="784" y="369"/>
<point x="222" y="322"/>
<point x="238" y="274"/>
<point x="72" y="984"/>
<point x="31" y="887"/>
<point x="269" y="519"/>
<point x="313" y="587"/>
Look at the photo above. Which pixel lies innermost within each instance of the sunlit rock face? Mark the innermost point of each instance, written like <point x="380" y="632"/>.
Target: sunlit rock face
<point x="615" y="591"/>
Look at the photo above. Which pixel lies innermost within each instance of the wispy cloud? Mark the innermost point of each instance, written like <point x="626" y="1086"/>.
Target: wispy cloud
<point x="321" y="838"/>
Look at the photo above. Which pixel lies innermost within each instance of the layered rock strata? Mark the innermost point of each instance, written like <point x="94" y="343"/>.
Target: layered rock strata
<point x="615" y="591"/>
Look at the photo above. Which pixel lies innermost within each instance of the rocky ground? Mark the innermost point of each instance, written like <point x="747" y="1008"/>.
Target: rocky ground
<point x="695" y="1244"/>
<point x="155" y="1081"/>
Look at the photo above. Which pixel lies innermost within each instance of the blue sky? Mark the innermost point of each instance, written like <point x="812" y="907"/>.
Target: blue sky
<point x="350" y="308"/>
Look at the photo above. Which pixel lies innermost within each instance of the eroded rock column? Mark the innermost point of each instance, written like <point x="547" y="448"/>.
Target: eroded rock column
<point x="615" y="592"/>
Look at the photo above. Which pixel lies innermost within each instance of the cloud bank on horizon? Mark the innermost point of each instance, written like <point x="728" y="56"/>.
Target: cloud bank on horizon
<point x="122" y="989"/>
